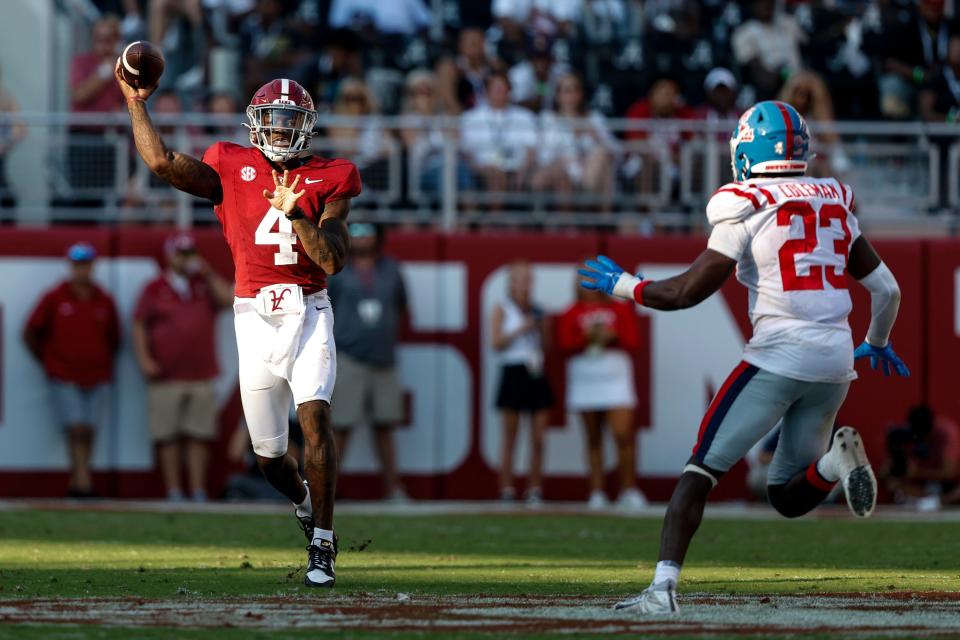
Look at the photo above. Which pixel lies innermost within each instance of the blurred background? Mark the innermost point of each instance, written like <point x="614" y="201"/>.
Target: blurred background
<point x="499" y="143"/>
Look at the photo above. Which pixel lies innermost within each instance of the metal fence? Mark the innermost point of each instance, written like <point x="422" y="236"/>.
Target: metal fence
<point x="633" y="175"/>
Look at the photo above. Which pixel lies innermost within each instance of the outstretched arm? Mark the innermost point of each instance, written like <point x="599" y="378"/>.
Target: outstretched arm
<point x="179" y="170"/>
<point x="326" y="243"/>
<point x="704" y="278"/>
<point x="867" y="268"/>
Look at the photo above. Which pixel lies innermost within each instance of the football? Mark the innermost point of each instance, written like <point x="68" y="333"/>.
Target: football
<point x="141" y="64"/>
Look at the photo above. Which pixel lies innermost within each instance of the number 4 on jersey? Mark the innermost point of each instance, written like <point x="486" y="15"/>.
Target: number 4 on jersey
<point x="283" y="237"/>
<point x="793" y="281"/>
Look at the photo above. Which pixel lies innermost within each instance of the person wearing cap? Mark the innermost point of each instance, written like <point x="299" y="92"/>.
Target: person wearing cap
<point x="174" y="340"/>
<point x="74" y="333"/>
<point x="370" y="301"/>
<point x="721" y="90"/>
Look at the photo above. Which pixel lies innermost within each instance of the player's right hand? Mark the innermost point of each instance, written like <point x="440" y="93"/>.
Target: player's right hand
<point x="882" y="355"/>
<point x="284" y="197"/>
<point x="129" y="91"/>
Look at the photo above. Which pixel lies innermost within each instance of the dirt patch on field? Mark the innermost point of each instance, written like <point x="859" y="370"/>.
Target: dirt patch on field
<point x="892" y="614"/>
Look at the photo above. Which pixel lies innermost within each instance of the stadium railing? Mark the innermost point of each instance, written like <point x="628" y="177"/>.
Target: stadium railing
<point x="663" y="172"/>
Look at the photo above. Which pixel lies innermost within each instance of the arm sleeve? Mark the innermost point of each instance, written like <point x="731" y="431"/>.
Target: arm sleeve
<point x="348" y="186"/>
<point x="729" y="238"/>
<point x="884" y="304"/>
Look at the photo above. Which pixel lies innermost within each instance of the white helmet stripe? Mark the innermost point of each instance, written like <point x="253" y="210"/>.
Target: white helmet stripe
<point x="284" y="87"/>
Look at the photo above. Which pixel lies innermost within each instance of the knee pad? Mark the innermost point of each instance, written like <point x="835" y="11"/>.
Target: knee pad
<point x="271" y="447"/>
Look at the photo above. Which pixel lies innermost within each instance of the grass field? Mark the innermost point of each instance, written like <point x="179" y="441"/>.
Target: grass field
<point x="190" y="574"/>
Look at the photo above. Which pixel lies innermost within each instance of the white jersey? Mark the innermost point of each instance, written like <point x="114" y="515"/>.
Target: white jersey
<point x="791" y="238"/>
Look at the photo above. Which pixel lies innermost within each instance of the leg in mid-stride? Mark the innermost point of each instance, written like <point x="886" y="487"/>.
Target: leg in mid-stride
<point x="750" y="404"/>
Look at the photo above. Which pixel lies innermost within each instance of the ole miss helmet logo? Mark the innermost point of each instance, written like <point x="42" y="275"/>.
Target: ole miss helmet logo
<point x="278" y="300"/>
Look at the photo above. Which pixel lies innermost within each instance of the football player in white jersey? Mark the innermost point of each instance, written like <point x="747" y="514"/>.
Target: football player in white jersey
<point x="792" y="241"/>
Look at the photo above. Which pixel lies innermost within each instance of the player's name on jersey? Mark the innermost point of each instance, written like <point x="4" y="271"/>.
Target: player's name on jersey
<point x="808" y="189"/>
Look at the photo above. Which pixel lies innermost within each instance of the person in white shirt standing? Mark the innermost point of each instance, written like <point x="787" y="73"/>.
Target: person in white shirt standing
<point x="792" y="240"/>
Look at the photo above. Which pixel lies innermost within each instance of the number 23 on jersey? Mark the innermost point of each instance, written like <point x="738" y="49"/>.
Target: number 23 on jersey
<point x="812" y="220"/>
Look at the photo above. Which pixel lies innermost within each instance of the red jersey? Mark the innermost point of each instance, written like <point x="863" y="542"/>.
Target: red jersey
<point x="180" y="330"/>
<point x="265" y="248"/>
<point x="78" y="336"/>
<point x="576" y="322"/>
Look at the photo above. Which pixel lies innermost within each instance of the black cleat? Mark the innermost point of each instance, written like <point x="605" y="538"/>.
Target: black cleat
<point x="321" y="564"/>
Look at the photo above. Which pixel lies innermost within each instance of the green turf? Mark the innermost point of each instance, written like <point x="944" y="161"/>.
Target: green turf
<point x="69" y="554"/>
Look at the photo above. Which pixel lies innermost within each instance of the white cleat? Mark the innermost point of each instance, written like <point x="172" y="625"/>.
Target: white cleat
<point x="598" y="501"/>
<point x="632" y="500"/>
<point x="652" y="602"/>
<point x="848" y="459"/>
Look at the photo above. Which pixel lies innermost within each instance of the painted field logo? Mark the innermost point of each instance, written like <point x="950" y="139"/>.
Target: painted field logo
<point x="248" y="173"/>
<point x="278" y="300"/>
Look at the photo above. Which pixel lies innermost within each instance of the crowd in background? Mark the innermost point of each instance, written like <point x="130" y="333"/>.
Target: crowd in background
<point x="517" y="71"/>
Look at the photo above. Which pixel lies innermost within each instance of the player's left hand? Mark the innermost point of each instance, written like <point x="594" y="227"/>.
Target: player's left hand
<point x="882" y="355"/>
<point x="606" y="275"/>
<point x="284" y="197"/>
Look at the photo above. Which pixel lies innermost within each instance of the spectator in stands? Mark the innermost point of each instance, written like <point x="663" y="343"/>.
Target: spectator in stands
<point x="74" y="333"/>
<point x="462" y="80"/>
<point x="519" y="330"/>
<point x="393" y="18"/>
<point x="915" y="49"/>
<point x="364" y="143"/>
<point x="12" y="131"/>
<point x="767" y="47"/>
<point x="500" y="139"/>
<point x="923" y="467"/>
<point x="225" y="105"/>
<point x="424" y="137"/>
<point x="940" y="98"/>
<point x="808" y="94"/>
<point x="370" y="300"/>
<point x="174" y="339"/>
<point x="576" y="150"/>
<point x="598" y="334"/>
<point x="721" y="90"/>
<point x="515" y="19"/>
<point x="340" y="57"/>
<point x="664" y="102"/>
<point x="534" y="80"/>
<point x="177" y="26"/>
<point x="271" y="47"/>
<point x="93" y="87"/>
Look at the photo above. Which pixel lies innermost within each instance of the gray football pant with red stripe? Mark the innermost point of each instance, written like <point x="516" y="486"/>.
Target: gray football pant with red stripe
<point x="749" y="405"/>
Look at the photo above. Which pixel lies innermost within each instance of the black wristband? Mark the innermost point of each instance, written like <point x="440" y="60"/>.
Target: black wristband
<point x="296" y="214"/>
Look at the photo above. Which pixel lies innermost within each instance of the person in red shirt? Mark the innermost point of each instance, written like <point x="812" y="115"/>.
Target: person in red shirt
<point x="74" y="333"/>
<point x="174" y="340"/>
<point x="597" y="334"/>
<point x="91" y="74"/>
<point x="284" y="243"/>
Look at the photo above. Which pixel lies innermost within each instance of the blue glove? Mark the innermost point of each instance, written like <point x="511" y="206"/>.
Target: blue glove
<point x="883" y="355"/>
<point x="603" y="273"/>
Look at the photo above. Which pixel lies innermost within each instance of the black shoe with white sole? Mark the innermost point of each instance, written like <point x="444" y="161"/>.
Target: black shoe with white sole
<point x="321" y="564"/>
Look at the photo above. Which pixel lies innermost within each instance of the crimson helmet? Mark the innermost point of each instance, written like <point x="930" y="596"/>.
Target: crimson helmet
<point x="281" y="106"/>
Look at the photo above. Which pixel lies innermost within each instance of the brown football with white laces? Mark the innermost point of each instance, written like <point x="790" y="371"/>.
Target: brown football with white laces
<point x="141" y="64"/>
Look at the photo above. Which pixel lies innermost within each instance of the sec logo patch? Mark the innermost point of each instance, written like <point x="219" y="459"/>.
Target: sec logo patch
<point x="248" y="173"/>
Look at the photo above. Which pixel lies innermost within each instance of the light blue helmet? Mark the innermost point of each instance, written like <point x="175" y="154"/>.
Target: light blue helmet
<point x="771" y="137"/>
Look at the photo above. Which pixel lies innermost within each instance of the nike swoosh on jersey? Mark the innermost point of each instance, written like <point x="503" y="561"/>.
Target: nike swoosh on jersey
<point x="309" y="181"/>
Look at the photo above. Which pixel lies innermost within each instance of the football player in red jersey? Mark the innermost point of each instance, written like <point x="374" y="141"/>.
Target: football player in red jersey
<point x="284" y="244"/>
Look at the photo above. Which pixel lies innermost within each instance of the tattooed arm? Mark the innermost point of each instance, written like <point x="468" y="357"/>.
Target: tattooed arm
<point x="179" y="170"/>
<point x="327" y="243"/>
